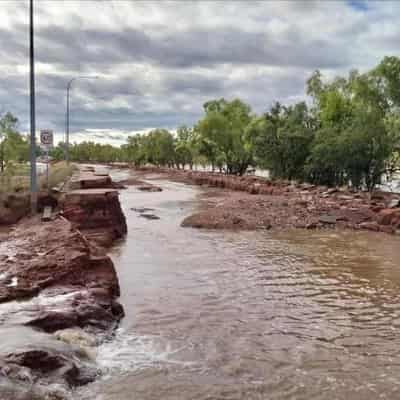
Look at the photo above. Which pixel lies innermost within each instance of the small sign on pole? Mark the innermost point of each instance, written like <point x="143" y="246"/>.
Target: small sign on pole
<point x="47" y="141"/>
<point x="46" y="138"/>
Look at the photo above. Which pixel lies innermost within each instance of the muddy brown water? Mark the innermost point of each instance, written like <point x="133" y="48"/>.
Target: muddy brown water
<point x="249" y="315"/>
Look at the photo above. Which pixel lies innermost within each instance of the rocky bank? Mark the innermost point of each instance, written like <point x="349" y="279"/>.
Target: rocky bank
<point x="58" y="293"/>
<point x="91" y="209"/>
<point x="251" y="202"/>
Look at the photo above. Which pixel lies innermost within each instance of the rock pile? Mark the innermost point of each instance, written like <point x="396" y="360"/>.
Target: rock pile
<point x="262" y="203"/>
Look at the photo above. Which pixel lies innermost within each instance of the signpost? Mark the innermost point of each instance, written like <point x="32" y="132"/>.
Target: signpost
<point x="33" y="112"/>
<point x="47" y="141"/>
<point x="46" y="138"/>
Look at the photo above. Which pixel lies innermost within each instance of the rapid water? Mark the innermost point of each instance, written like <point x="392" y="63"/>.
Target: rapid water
<point x="249" y="315"/>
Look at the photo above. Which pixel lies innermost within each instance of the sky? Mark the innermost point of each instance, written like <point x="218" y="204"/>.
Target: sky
<point x="157" y="63"/>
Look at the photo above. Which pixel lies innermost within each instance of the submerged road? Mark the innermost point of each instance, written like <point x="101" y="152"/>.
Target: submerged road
<point x="249" y="315"/>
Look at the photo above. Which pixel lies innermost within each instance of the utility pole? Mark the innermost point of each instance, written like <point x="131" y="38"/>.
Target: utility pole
<point x="1" y="154"/>
<point x="33" y="123"/>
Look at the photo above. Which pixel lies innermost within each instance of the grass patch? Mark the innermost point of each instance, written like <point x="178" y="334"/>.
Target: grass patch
<point x="58" y="174"/>
<point x="16" y="178"/>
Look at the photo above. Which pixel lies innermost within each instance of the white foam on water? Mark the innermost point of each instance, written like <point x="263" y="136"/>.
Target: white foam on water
<point x="8" y="249"/>
<point x="12" y="307"/>
<point x="14" y="282"/>
<point x="48" y="299"/>
<point x="127" y="352"/>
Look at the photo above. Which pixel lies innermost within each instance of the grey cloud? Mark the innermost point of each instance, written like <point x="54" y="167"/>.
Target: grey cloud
<point x="186" y="49"/>
<point x="131" y="120"/>
<point x="14" y="44"/>
<point x="178" y="69"/>
<point x="191" y="82"/>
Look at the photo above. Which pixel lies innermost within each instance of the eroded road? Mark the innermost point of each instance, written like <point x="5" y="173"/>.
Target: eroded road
<point x="249" y="315"/>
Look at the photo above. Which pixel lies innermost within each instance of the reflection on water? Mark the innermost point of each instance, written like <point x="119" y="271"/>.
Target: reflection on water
<point x="250" y="315"/>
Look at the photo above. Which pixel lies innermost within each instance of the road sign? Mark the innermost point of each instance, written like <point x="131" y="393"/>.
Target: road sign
<point x="46" y="138"/>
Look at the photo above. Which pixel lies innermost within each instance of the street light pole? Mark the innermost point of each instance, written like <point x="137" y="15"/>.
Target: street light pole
<point x="32" y="106"/>
<point x="67" y="114"/>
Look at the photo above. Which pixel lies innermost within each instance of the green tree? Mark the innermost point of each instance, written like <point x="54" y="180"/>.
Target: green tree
<point x="387" y="80"/>
<point x="352" y="142"/>
<point x="134" y="151"/>
<point x="185" y="147"/>
<point x="392" y="123"/>
<point x="58" y="152"/>
<point x="223" y="135"/>
<point x="93" y="152"/>
<point x="282" y="140"/>
<point x="13" y="146"/>
<point x="159" y="148"/>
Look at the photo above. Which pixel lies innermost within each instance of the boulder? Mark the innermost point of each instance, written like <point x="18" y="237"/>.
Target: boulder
<point x="149" y="216"/>
<point x="332" y="190"/>
<point x="142" y="209"/>
<point x="35" y="358"/>
<point x="389" y="216"/>
<point x="327" y="219"/>
<point x="301" y="202"/>
<point x="387" y="229"/>
<point x="370" y="226"/>
<point x="311" y="225"/>
<point x="149" y="188"/>
<point x="254" y="188"/>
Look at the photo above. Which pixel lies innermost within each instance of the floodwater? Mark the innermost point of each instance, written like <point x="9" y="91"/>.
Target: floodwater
<point x="249" y="315"/>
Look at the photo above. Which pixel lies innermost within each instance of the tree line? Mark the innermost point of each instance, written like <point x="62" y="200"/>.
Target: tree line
<point x="347" y="133"/>
<point x="14" y="147"/>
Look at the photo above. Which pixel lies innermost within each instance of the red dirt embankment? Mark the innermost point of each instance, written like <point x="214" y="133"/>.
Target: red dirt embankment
<point x="96" y="213"/>
<point x="55" y="260"/>
<point x="92" y="206"/>
<point x="251" y="202"/>
<point x="15" y="206"/>
<point x="54" y="277"/>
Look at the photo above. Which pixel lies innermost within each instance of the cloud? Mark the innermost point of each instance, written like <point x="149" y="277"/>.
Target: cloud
<point x="158" y="62"/>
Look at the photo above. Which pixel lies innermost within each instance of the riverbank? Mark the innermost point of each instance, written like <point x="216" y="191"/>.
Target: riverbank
<point x="251" y="203"/>
<point x="58" y="292"/>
